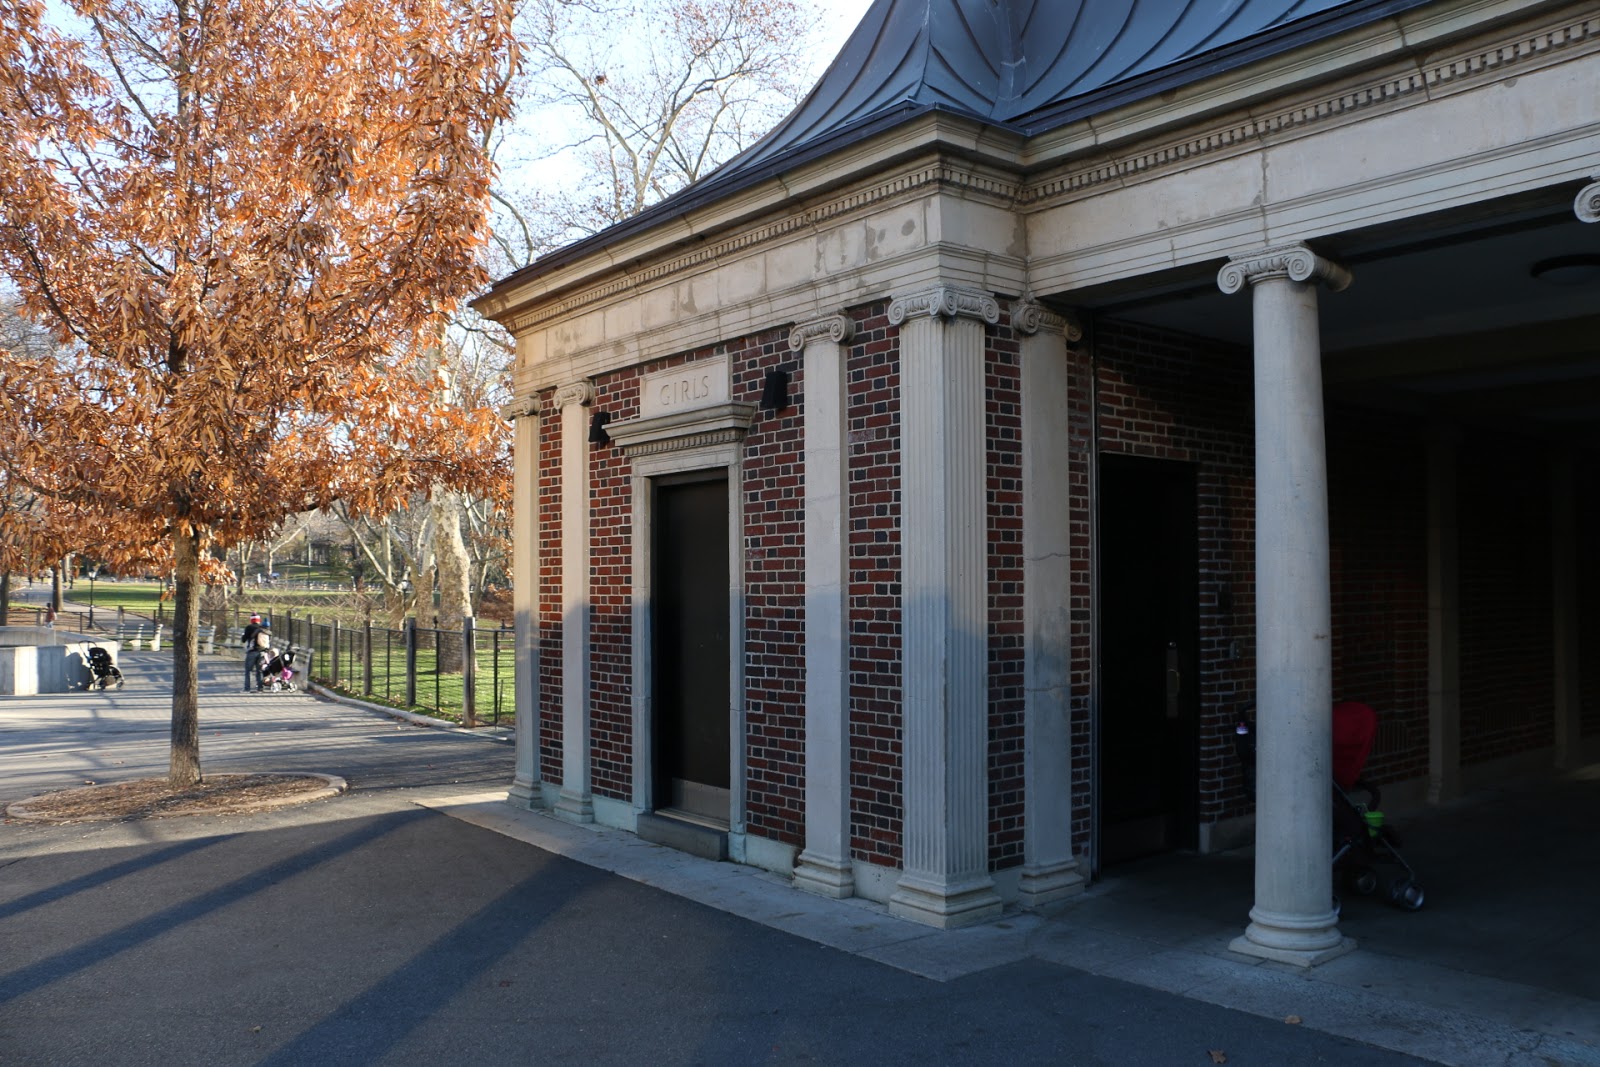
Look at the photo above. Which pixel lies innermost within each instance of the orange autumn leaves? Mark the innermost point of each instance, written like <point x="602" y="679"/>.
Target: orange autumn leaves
<point x="246" y="218"/>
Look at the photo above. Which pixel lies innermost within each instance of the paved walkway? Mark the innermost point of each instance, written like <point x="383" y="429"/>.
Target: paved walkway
<point x="262" y="939"/>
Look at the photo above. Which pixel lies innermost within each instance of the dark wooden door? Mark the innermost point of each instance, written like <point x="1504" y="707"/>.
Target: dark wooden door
<point x="689" y="639"/>
<point x="1148" y="754"/>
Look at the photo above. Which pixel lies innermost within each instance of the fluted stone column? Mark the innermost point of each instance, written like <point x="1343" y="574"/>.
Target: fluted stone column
<point x="576" y="802"/>
<point x="1587" y="205"/>
<point x="1293" y="919"/>
<point x="944" y="607"/>
<point x="1050" y="871"/>
<point x="525" y="601"/>
<point x="824" y="866"/>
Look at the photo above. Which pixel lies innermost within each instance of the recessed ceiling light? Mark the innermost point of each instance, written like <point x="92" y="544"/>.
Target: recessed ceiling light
<point x="1567" y="270"/>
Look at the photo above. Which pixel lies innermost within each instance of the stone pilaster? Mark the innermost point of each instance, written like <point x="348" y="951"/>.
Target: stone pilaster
<point x="1587" y="205"/>
<point x="576" y="802"/>
<point x="824" y="866"/>
<point x="1293" y="920"/>
<point x="525" y="599"/>
<point x="1050" y="871"/>
<point x="944" y="607"/>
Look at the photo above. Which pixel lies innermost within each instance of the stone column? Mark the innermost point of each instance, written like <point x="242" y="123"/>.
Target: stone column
<point x="944" y="608"/>
<point x="525" y="600"/>
<point x="1049" y="868"/>
<point x="576" y="802"/>
<point x="1587" y="205"/>
<point x="1564" y="595"/>
<point x="1293" y="919"/>
<point x="1444" y="620"/>
<point x="824" y="866"/>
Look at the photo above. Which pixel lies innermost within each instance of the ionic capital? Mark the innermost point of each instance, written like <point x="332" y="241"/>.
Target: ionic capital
<point x="1031" y="317"/>
<point x="836" y="328"/>
<point x="579" y="392"/>
<point x="945" y="301"/>
<point x="520" y="408"/>
<point x="1588" y="203"/>
<point x="1295" y="262"/>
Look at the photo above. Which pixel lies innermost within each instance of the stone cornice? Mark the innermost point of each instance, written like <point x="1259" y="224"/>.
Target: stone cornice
<point x="1516" y="49"/>
<point x="719" y="424"/>
<point x="580" y="392"/>
<point x="836" y="328"/>
<point x="1587" y="205"/>
<point x="1295" y="262"/>
<point x="1030" y="317"/>
<point x="945" y="301"/>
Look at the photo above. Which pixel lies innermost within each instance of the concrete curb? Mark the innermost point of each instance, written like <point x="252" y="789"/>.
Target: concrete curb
<point x="333" y="786"/>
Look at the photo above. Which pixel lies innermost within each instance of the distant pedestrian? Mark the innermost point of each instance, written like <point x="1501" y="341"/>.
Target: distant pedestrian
<point x="50" y="616"/>
<point x="252" y="651"/>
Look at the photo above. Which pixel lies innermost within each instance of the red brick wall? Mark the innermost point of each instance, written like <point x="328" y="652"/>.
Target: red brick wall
<point x="1003" y="431"/>
<point x="1169" y="396"/>
<point x="1378" y="529"/>
<point x="1079" y="410"/>
<point x="549" y="497"/>
<point x="611" y="597"/>
<point x="1507" y="666"/>
<point x="873" y="421"/>
<point x="774" y="593"/>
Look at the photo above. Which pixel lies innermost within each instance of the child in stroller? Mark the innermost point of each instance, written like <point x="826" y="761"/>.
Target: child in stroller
<point x="1366" y="850"/>
<point x="102" y="671"/>
<point x="1364" y="846"/>
<point x="277" y="670"/>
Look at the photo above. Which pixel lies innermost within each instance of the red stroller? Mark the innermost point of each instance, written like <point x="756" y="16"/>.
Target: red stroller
<point x="1366" y="852"/>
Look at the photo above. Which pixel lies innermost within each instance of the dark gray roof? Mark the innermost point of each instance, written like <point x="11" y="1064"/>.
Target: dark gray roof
<point x="1028" y="65"/>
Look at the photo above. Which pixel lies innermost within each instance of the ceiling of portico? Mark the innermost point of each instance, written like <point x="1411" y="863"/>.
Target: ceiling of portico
<point x="1445" y="317"/>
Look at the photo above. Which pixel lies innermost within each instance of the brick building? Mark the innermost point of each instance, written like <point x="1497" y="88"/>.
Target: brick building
<point x="914" y="506"/>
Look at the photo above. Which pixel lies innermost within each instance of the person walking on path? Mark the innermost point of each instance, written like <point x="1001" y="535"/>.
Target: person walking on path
<point x="252" y="652"/>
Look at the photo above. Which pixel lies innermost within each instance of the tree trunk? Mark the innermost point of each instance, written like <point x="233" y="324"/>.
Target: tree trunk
<point x="57" y="600"/>
<point x="184" y="769"/>
<point x="455" y="590"/>
<point x="5" y="598"/>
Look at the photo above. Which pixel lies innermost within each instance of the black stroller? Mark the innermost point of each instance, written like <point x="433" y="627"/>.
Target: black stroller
<point x="1366" y="852"/>
<point x="277" y="671"/>
<point x="103" y="673"/>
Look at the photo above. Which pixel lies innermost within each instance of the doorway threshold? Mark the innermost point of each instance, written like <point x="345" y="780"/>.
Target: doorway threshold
<point x="686" y="832"/>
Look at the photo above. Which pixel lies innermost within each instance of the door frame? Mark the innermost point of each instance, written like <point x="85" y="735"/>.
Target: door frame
<point x="1191" y="803"/>
<point x="714" y="445"/>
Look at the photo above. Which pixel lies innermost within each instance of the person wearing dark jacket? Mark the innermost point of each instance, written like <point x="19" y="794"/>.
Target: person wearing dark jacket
<point x="252" y="652"/>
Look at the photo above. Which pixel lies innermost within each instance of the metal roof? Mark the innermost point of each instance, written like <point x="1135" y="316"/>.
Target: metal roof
<point x="1028" y="65"/>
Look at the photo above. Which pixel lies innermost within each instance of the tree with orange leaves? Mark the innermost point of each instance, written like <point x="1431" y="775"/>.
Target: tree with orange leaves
<point x="246" y="218"/>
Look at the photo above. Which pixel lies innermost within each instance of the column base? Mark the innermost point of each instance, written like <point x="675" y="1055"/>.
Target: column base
<point x="825" y="877"/>
<point x="1303" y="940"/>
<point x="946" y="906"/>
<point x="575" y="807"/>
<point x="525" y="794"/>
<point x="1044" y="887"/>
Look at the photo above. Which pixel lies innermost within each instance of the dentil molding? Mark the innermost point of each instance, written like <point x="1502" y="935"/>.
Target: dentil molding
<point x="1295" y="262"/>
<point x="945" y="301"/>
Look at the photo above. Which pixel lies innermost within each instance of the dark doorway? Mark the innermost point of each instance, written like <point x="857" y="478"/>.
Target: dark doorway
<point x="689" y="645"/>
<point x="1148" y="632"/>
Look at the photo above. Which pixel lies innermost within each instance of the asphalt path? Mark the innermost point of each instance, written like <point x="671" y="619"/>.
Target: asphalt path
<point x="365" y="929"/>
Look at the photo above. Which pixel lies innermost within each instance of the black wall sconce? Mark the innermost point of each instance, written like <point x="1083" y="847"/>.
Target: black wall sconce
<point x="775" y="391"/>
<point x="597" y="428"/>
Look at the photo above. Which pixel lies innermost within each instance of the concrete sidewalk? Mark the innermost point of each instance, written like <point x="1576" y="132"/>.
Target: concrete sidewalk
<point x="1497" y="969"/>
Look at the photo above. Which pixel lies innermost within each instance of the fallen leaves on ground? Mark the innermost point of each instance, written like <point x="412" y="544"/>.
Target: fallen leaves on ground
<point x="155" y="798"/>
